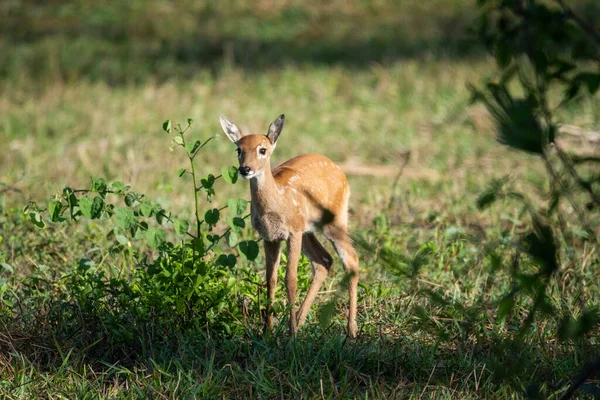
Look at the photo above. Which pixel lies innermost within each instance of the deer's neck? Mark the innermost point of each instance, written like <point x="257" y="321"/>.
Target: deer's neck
<point x="265" y="192"/>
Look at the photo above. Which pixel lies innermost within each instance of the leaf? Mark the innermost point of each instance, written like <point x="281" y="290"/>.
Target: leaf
<point x="232" y="238"/>
<point x="155" y="237"/>
<point x="132" y="199"/>
<point x="118" y="187"/>
<point x="178" y="139"/>
<point x="191" y="147"/>
<point x="213" y="238"/>
<point x="147" y="209"/>
<point x="236" y="223"/>
<point x="180" y="172"/>
<point x="181" y="226"/>
<point x="226" y="260"/>
<point x="207" y="182"/>
<point x="249" y="249"/>
<point x="161" y="215"/>
<point x="167" y="126"/>
<point x="211" y="217"/>
<point x="54" y="209"/>
<point x="99" y="186"/>
<point x="37" y="219"/>
<point x="125" y="218"/>
<point x="229" y="174"/>
<point x="91" y="209"/>
<point x="237" y="206"/>
<point x="97" y="207"/>
<point x="85" y="206"/>
<point x="190" y="121"/>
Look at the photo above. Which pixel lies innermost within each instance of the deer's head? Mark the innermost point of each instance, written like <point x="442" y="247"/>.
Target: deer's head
<point x="254" y="151"/>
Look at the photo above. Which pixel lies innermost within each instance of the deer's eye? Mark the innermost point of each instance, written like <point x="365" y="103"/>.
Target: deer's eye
<point x="239" y="151"/>
<point x="263" y="151"/>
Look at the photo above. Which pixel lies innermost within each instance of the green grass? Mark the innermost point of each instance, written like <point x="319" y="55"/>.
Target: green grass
<point x="86" y="96"/>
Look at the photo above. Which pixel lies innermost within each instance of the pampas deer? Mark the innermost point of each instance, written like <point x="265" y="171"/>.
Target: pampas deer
<point x="290" y="203"/>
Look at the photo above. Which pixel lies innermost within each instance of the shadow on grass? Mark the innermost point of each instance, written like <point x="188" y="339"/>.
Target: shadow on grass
<point x="317" y="362"/>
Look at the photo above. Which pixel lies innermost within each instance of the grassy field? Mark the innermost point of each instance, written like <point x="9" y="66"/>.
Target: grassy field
<point x="85" y="95"/>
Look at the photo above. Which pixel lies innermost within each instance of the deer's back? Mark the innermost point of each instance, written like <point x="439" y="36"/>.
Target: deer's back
<point x="316" y="181"/>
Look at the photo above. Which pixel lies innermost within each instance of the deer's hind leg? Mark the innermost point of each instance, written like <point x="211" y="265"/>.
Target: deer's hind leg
<point x="321" y="261"/>
<point x="337" y="233"/>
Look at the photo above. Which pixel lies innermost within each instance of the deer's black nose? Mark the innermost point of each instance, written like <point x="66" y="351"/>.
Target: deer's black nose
<point x="244" y="170"/>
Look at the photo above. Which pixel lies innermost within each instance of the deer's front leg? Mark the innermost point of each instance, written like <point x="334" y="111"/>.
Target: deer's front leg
<point x="291" y="276"/>
<point x="272" y="251"/>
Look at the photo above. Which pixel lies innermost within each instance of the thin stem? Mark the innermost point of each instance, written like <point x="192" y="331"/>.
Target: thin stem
<point x="197" y="206"/>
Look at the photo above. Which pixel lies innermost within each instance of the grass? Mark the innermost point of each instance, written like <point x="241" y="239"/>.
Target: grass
<point x="428" y="304"/>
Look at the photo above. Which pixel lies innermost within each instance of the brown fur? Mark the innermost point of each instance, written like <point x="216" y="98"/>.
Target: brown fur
<point x="307" y="193"/>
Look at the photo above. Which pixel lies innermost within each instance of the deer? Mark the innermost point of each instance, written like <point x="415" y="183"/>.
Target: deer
<point x="291" y="202"/>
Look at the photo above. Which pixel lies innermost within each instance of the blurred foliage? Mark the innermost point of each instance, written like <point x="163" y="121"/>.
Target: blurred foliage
<point x="539" y="47"/>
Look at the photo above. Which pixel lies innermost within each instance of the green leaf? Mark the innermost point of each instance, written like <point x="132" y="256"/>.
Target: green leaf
<point x="125" y="218"/>
<point x="99" y="186"/>
<point x="212" y="216"/>
<point x="191" y="147"/>
<point x="208" y="181"/>
<point x="213" y="238"/>
<point x="167" y="126"/>
<point x="161" y="215"/>
<point x="237" y="206"/>
<point x="37" y="219"/>
<point x="148" y="209"/>
<point x="118" y="187"/>
<point x="181" y="226"/>
<point x="180" y="172"/>
<point x="226" y="260"/>
<point x="236" y="223"/>
<point x="91" y="209"/>
<point x="132" y="199"/>
<point x="97" y="207"/>
<point x="249" y="249"/>
<point x="54" y="209"/>
<point x="229" y="174"/>
<point x="190" y="121"/>
<point x="155" y="237"/>
<point x="178" y="139"/>
<point x="85" y="206"/>
<point x="232" y="238"/>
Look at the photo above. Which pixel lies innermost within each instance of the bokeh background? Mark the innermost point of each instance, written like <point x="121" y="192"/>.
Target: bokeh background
<point x="87" y="85"/>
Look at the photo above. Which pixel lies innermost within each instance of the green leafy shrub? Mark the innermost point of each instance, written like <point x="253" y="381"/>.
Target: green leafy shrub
<point x="181" y="276"/>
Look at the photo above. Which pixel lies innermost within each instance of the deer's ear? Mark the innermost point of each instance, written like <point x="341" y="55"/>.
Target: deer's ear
<point x="275" y="129"/>
<point x="230" y="129"/>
